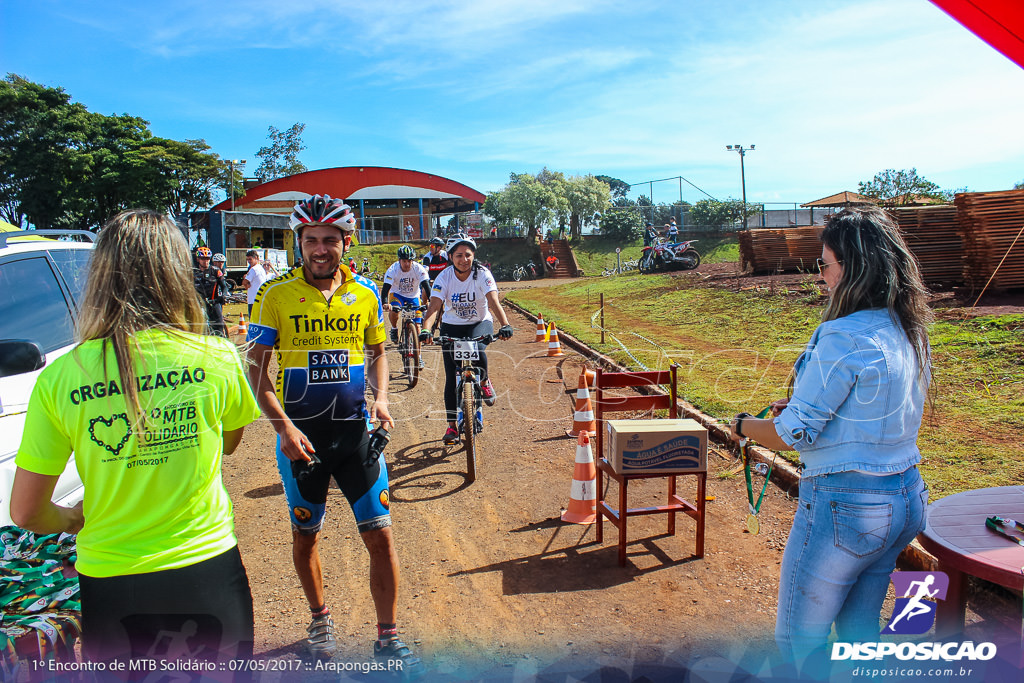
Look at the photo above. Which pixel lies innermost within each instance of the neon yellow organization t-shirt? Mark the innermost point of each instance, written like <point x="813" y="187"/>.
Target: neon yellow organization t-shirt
<point x="154" y="498"/>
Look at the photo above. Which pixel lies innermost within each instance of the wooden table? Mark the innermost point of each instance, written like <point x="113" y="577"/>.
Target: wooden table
<point x="957" y="537"/>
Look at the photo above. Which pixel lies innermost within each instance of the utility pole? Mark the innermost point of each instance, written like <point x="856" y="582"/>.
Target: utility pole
<point x="231" y="178"/>
<point x="743" y="176"/>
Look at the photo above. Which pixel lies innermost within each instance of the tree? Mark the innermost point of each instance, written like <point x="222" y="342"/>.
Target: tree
<point x="281" y="157"/>
<point x="41" y="160"/>
<point x="1019" y="186"/>
<point x="619" y="188"/>
<point x="622" y="221"/>
<point x="531" y="200"/>
<point x="587" y="198"/>
<point x="712" y="214"/>
<point x="902" y="187"/>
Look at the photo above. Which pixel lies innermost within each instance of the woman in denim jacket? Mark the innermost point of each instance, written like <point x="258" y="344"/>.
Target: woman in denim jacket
<point x="857" y="394"/>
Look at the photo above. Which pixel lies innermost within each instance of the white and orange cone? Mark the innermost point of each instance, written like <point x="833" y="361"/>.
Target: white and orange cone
<point x="542" y="330"/>
<point x="583" y="417"/>
<point x="583" y="495"/>
<point x="242" y="327"/>
<point x="554" y="348"/>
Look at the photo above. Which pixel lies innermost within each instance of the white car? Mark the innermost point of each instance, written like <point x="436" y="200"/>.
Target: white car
<point x="41" y="285"/>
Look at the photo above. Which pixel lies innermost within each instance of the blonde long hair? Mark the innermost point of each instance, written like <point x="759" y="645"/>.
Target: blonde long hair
<point x="140" y="277"/>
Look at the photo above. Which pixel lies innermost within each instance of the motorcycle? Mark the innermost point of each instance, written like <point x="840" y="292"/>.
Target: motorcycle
<point x="669" y="256"/>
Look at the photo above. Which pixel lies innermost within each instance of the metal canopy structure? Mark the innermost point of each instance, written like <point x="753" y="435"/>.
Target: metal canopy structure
<point x="386" y="200"/>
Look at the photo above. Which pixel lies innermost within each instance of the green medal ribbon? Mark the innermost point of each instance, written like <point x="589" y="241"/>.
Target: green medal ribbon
<point x="996" y="524"/>
<point x="755" y="508"/>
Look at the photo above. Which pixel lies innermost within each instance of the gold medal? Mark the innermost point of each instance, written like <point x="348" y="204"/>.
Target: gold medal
<point x="753" y="526"/>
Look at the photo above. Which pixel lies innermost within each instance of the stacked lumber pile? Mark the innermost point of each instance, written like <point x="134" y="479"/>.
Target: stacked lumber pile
<point x="988" y="224"/>
<point x="933" y="235"/>
<point x="954" y="244"/>
<point x="780" y="250"/>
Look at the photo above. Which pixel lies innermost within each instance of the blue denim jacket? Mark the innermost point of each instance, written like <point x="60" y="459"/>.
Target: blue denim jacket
<point x="858" y="398"/>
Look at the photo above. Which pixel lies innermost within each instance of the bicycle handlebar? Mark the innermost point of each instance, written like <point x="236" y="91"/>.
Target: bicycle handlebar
<point x="486" y="338"/>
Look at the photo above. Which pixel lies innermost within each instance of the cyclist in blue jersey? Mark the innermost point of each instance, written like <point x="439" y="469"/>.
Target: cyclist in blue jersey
<point x="326" y="326"/>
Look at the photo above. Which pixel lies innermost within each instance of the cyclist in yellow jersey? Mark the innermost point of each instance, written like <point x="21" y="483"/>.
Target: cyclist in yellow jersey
<point x="326" y="326"/>
<point x="149" y="407"/>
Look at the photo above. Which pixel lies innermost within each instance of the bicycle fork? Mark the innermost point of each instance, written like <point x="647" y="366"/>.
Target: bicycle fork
<point x="469" y="375"/>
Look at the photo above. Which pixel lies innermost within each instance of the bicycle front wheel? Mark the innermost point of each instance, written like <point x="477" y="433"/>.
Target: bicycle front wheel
<point x="468" y="432"/>
<point x="411" y="354"/>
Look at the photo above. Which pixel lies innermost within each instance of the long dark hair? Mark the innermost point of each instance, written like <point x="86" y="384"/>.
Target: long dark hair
<point x="878" y="272"/>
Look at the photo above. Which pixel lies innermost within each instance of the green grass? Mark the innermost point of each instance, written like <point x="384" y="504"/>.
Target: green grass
<point x="735" y="351"/>
<point x="598" y="253"/>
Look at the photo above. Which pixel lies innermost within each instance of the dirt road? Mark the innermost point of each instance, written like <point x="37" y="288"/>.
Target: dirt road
<point x="492" y="580"/>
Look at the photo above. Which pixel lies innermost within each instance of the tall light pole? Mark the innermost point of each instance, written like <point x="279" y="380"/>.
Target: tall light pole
<point x="743" y="176"/>
<point x="231" y="178"/>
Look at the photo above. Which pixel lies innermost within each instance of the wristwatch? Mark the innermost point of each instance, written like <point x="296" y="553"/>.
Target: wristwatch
<point x="739" y="424"/>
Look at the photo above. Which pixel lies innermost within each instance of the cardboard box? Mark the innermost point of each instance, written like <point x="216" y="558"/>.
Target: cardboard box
<point x="656" y="446"/>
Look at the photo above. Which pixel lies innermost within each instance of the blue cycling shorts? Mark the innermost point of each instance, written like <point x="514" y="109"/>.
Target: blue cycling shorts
<point x="341" y="446"/>
<point x="400" y="300"/>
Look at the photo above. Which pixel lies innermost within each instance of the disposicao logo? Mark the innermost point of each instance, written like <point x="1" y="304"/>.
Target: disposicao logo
<point x="914" y="612"/>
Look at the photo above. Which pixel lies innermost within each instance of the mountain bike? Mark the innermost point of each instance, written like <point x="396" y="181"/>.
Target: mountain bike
<point x="469" y="420"/>
<point x="408" y="341"/>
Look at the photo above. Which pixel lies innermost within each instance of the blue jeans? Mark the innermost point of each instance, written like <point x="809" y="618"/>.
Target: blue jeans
<point x="848" y="530"/>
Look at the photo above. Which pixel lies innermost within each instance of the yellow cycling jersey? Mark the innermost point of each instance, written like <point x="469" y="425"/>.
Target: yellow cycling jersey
<point x="319" y="342"/>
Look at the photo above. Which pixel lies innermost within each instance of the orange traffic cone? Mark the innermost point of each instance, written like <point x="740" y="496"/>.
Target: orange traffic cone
<point x="541" y="329"/>
<point x="583" y="418"/>
<point x="554" y="348"/>
<point x="583" y="495"/>
<point x="241" y="328"/>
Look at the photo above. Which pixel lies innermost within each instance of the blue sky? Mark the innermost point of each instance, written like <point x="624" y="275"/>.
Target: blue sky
<point x="830" y="91"/>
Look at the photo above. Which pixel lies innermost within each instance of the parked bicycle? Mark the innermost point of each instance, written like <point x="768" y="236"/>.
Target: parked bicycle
<point x="528" y="271"/>
<point x="469" y="420"/>
<point x="409" y="342"/>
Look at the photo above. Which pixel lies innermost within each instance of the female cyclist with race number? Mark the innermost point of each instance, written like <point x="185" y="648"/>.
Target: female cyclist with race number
<point x="468" y="294"/>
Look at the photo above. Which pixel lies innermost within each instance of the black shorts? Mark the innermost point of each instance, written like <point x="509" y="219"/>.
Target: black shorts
<point x="341" y="446"/>
<point x="201" y="614"/>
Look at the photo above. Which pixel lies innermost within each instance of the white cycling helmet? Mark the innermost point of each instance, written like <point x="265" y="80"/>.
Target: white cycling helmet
<point x="323" y="210"/>
<point x="460" y="239"/>
<point x="218" y="258"/>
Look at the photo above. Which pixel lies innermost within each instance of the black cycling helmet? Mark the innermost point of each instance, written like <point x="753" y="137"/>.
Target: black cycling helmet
<point x="437" y="241"/>
<point x="406" y="252"/>
<point x="322" y="210"/>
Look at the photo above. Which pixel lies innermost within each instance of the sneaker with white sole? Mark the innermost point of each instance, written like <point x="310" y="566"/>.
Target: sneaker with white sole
<point x="399" y="657"/>
<point x="321" y="641"/>
<point x="394" y="335"/>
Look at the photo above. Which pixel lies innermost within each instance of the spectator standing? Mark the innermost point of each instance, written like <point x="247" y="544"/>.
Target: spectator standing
<point x="862" y="499"/>
<point x="253" y="279"/>
<point x="209" y="281"/>
<point x="650" y="234"/>
<point x="672" y="231"/>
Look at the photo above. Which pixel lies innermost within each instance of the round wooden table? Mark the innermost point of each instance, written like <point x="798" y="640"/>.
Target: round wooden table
<point x="957" y="537"/>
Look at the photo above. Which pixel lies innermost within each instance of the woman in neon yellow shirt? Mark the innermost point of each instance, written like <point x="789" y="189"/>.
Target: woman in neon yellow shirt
<point x="148" y="405"/>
